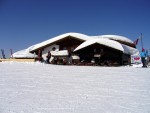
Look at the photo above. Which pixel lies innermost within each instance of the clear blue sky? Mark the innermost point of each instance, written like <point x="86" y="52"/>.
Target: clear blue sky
<point x="27" y="22"/>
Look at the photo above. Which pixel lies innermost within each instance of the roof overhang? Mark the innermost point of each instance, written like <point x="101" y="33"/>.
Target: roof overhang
<point x="51" y="41"/>
<point x="24" y="54"/>
<point x="106" y="42"/>
<point x="130" y="50"/>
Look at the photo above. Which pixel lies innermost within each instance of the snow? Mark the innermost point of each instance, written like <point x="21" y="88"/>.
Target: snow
<point x="59" y="53"/>
<point x="24" y="53"/>
<point x="82" y="37"/>
<point x="114" y="37"/>
<point x="75" y="35"/>
<point x="43" y="88"/>
<point x="110" y="43"/>
<point x="130" y="50"/>
<point x="106" y="42"/>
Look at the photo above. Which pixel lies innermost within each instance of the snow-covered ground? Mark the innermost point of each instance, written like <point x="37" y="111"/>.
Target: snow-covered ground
<point x="42" y="88"/>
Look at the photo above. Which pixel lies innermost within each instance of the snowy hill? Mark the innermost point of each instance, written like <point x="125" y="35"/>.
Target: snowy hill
<point x="41" y="88"/>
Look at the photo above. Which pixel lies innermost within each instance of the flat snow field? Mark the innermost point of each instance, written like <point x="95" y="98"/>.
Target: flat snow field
<point x="43" y="88"/>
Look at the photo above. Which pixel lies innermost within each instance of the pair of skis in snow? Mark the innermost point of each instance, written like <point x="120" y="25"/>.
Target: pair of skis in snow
<point x="3" y="53"/>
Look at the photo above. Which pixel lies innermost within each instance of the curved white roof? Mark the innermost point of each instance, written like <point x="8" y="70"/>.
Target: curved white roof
<point x="76" y="35"/>
<point x="106" y="42"/>
<point x="130" y="50"/>
<point x="81" y="37"/>
<point x="24" y="53"/>
<point x="114" y="37"/>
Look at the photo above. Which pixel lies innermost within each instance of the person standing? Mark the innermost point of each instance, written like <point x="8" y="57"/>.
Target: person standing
<point x="69" y="58"/>
<point x="48" y="57"/>
<point x="147" y="58"/>
<point x="143" y="56"/>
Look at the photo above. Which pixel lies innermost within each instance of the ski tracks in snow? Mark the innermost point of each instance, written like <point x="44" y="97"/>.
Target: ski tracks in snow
<point x="41" y="88"/>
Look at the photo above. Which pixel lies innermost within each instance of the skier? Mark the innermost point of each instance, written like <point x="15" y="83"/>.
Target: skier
<point x="143" y="56"/>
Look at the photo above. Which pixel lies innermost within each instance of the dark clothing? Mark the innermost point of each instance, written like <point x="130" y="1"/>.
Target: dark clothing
<point x="144" y="62"/>
<point x="143" y="56"/>
<point x="48" y="57"/>
<point x="40" y="55"/>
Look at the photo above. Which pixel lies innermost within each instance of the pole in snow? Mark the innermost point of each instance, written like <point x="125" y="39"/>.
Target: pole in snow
<point x="11" y="53"/>
<point x="141" y="40"/>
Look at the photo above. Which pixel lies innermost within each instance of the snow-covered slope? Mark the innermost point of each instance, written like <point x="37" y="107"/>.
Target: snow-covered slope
<point x="41" y="88"/>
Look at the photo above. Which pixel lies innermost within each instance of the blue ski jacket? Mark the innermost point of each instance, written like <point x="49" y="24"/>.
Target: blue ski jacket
<point x="143" y="54"/>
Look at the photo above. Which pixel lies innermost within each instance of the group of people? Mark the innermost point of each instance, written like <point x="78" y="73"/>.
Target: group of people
<point x="55" y="59"/>
<point x="144" y="57"/>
